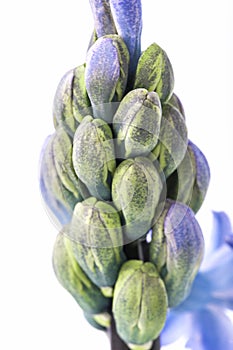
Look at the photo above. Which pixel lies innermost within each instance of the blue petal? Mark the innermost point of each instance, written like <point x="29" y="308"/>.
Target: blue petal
<point x="229" y="240"/>
<point x="218" y="272"/>
<point x="199" y="296"/>
<point x="177" y="324"/>
<point x="222" y="228"/>
<point x="127" y="16"/>
<point x="212" y="330"/>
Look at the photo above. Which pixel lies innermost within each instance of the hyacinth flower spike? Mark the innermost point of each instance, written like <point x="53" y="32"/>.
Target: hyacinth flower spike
<point x="202" y="317"/>
<point x="114" y="171"/>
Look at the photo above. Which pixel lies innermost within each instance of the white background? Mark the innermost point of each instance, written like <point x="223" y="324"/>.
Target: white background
<point x="40" y="41"/>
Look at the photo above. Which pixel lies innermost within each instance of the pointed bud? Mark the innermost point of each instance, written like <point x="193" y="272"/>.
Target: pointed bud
<point x="189" y="183"/>
<point x="62" y="107"/>
<point x="136" y="190"/>
<point x="102" y="15"/>
<point x="177" y="249"/>
<point x="175" y="102"/>
<point x="139" y="303"/>
<point x="93" y="156"/>
<point x="154" y="72"/>
<point x="202" y="176"/>
<point x="106" y="71"/>
<point x="97" y="241"/>
<point x="71" y="102"/>
<point x="58" y="199"/>
<point x="173" y="140"/>
<point x="62" y="151"/>
<point x="74" y="280"/>
<point x="137" y="123"/>
<point x="127" y="16"/>
<point x="80" y="101"/>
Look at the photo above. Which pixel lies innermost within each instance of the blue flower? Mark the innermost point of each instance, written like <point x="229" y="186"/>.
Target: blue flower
<point x="202" y="317"/>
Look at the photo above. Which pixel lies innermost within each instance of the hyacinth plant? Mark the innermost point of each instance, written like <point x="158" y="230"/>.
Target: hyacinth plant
<point x="124" y="183"/>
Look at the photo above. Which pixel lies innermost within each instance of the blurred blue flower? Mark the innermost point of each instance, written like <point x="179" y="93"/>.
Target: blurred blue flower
<point x="202" y="317"/>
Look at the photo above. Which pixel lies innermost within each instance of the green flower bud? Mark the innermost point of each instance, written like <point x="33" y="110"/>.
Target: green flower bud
<point x="189" y="183"/>
<point x="175" y="102"/>
<point x="80" y="100"/>
<point x="154" y="72"/>
<point x="97" y="241"/>
<point x="74" y="280"/>
<point x="93" y="156"/>
<point x="136" y="190"/>
<point x="71" y="101"/>
<point x="106" y="71"/>
<point x="176" y="249"/>
<point x="139" y="303"/>
<point x="62" y="108"/>
<point x="137" y="123"/>
<point x="180" y="183"/>
<point x="56" y="193"/>
<point x="62" y="150"/>
<point x="173" y="140"/>
<point x="202" y="176"/>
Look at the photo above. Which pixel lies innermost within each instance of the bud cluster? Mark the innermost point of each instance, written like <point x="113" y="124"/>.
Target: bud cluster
<point x="123" y="180"/>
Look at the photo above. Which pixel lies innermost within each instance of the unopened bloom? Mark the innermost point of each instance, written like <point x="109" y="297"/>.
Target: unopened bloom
<point x="202" y="318"/>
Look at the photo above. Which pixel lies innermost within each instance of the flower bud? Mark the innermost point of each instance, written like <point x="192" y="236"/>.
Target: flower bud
<point x="139" y="303"/>
<point x="58" y="198"/>
<point x="173" y="140"/>
<point x="127" y="16"/>
<point x="71" y="101"/>
<point x="97" y="241"/>
<point x="93" y="156"/>
<point x="106" y="72"/>
<point x="189" y="183"/>
<point x="80" y="100"/>
<point x="175" y="102"/>
<point x="102" y="15"/>
<point x="137" y="123"/>
<point x="177" y="249"/>
<point x="202" y="176"/>
<point x="62" y="152"/>
<point x="154" y="72"/>
<point x="74" y="280"/>
<point x="136" y="189"/>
